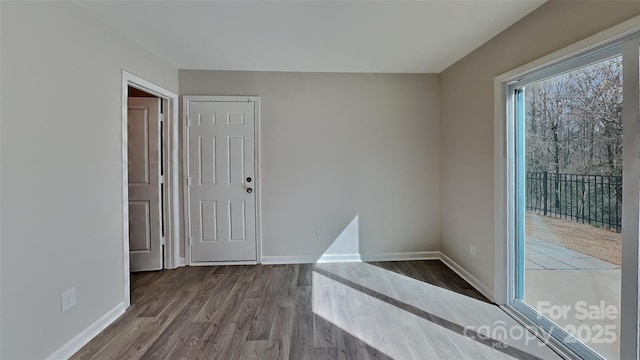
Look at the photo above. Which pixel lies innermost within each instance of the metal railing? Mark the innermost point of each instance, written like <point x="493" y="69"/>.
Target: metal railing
<point x="591" y="199"/>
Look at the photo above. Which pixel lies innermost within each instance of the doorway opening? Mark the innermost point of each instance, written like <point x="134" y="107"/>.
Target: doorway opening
<point x="146" y="142"/>
<point x="149" y="178"/>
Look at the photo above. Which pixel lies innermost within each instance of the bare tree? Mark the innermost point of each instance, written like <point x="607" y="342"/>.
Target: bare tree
<point x="573" y="129"/>
<point x="574" y="121"/>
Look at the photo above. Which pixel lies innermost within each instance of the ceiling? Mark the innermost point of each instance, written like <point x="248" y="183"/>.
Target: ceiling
<point x="313" y="36"/>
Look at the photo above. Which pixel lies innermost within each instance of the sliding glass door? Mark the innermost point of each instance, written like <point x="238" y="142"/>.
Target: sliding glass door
<point x="575" y="138"/>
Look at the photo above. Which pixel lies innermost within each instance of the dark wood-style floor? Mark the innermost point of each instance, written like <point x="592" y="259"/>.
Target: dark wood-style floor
<point x="323" y="311"/>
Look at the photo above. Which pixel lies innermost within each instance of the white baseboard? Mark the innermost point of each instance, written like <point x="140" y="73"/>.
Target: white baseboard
<point x="80" y="340"/>
<point x="399" y="256"/>
<point x="218" y="263"/>
<point x="402" y="256"/>
<point x="305" y="259"/>
<point x="182" y="262"/>
<point x="468" y="277"/>
<point x="295" y="259"/>
<point x="339" y="258"/>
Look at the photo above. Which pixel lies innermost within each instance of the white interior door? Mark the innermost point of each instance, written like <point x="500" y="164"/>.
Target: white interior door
<point x="221" y="152"/>
<point x="143" y="144"/>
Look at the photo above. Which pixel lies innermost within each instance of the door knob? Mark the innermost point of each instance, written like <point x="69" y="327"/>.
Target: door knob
<point x="249" y="190"/>
<point x="248" y="179"/>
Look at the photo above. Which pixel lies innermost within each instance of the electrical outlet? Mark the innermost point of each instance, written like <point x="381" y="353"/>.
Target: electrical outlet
<point x="319" y="232"/>
<point x="473" y="249"/>
<point x="68" y="299"/>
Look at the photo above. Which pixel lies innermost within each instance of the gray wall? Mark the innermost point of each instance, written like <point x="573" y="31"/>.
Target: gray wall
<point x="337" y="146"/>
<point x="467" y="136"/>
<point x="61" y="170"/>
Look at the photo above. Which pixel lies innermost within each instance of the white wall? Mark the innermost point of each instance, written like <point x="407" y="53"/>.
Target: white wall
<point x="61" y="170"/>
<point x="337" y="146"/>
<point x="468" y="118"/>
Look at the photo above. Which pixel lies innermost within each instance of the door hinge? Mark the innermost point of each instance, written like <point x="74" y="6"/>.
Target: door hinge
<point x="188" y="181"/>
<point x="190" y="241"/>
<point x="188" y="121"/>
<point x="161" y="179"/>
<point x="161" y="117"/>
<point x="163" y="241"/>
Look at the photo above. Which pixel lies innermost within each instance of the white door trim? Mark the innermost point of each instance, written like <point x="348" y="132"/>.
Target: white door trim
<point x="258" y="177"/>
<point x="171" y="200"/>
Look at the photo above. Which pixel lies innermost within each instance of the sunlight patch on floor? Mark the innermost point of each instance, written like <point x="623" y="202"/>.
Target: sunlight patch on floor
<point x="405" y="318"/>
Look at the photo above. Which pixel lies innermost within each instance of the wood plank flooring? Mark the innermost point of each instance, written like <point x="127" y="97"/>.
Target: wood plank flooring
<point x="386" y="310"/>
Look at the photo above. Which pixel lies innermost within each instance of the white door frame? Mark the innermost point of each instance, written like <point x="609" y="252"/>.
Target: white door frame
<point x="258" y="179"/>
<point x="171" y="200"/>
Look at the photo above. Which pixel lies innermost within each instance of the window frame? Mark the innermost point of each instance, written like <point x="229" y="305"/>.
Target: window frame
<point x="623" y="38"/>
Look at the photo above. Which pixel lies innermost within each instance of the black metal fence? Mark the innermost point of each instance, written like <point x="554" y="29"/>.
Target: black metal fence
<point x="591" y="199"/>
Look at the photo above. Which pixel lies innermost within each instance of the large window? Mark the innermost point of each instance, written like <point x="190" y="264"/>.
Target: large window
<point x="572" y="143"/>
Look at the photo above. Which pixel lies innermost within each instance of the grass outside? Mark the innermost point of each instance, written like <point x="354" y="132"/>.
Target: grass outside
<point x="600" y="243"/>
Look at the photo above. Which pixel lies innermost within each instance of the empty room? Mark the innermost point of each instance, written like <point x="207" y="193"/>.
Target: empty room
<point x="319" y="179"/>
